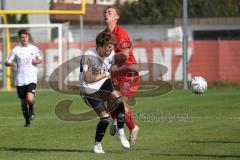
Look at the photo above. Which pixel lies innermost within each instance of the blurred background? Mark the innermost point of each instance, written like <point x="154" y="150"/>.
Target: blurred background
<point x="155" y="26"/>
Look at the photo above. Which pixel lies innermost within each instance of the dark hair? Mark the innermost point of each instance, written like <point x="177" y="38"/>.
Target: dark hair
<point x="115" y="8"/>
<point x="23" y="31"/>
<point x="104" y="38"/>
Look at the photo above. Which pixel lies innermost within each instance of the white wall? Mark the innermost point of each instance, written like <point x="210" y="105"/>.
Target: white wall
<point x="31" y="5"/>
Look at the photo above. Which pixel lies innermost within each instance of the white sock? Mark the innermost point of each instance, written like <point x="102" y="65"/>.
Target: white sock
<point x="121" y="131"/>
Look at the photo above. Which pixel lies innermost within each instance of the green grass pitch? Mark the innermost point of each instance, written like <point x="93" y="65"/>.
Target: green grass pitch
<point x="178" y="125"/>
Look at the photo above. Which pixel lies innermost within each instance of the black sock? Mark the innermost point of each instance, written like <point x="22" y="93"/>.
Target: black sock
<point x="101" y="128"/>
<point x="31" y="108"/>
<point x="120" y="115"/>
<point x="25" y="112"/>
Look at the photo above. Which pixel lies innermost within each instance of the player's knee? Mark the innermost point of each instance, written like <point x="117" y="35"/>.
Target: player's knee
<point x="30" y="103"/>
<point x="30" y="100"/>
<point x="115" y="94"/>
<point x="120" y="117"/>
<point x="118" y="100"/>
<point x="105" y="120"/>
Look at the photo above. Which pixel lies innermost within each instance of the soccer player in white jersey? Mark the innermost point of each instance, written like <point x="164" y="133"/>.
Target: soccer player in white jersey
<point x="96" y="88"/>
<point x="24" y="58"/>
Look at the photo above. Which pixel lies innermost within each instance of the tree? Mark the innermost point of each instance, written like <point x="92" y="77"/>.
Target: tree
<point x="150" y="11"/>
<point x="23" y="19"/>
<point x="166" y="11"/>
<point x="12" y="19"/>
<point x="213" y="8"/>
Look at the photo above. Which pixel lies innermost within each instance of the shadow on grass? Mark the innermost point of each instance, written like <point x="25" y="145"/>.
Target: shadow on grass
<point x="196" y="155"/>
<point x="23" y="149"/>
<point x="122" y="150"/>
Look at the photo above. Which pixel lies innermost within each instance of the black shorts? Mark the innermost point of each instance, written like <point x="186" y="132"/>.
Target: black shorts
<point x="98" y="98"/>
<point x="23" y="90"/>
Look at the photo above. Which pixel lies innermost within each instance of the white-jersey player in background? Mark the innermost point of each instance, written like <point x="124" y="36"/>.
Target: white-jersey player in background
<point x="24" y="58"/>
<point x="96" y="88"/>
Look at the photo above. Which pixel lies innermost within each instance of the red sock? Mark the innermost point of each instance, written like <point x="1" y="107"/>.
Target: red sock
<point x="113" y="115"/>
<point x="130" y="121"/>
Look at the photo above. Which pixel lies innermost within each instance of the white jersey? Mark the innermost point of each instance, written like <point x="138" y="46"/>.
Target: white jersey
<point x="26" y="71"/>
<point x="92" y="61"/>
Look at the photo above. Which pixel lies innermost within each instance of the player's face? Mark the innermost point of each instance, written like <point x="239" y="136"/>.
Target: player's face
<point x="111" y="15"/>
<point x="24" y="39"/>
<point x="107" y="50"/>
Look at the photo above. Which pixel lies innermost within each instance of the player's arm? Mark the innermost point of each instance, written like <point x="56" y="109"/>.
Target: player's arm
<point x="91" y="77"/>
<point x="123" y="47"/>
<point x="127" y="68"/>
<point x="38" y="58"/>
<point x="124" y="52"/>
<point x="91" y="73"/>
<point x="36" y="61"/>
<point x="130" y="68"/>
<point x="10" y="62"/>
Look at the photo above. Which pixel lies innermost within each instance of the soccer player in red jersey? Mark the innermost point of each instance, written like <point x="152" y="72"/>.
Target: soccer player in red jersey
<point x="126" y="82"/>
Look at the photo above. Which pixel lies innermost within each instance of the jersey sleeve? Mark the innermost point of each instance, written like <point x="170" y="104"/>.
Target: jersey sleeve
<point x="84" y="62"/>
<point x="11" y="57"/>
<point x="38" y="54"/>
<point x="123" y="44"/>
<point x="123" y="41"/>
<point x="88" y="63"/>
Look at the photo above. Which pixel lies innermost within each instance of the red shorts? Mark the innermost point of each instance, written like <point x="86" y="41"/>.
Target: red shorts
<point x="127" y="85"/>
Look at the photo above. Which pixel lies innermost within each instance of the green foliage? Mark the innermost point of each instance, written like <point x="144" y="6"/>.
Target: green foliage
<point x="213" y="8"/>
<point x="12" y="19"/>
<point x="150" y="12"/>
<point x="23" y="19"/>
<point x="166" y="11"/>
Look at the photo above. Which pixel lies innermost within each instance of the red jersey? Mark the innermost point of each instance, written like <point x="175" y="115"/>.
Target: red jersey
<point x="127" y="83"/>
<point x="122" y="42"/>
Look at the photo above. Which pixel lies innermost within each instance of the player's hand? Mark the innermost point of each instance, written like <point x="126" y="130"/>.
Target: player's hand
<point x="36" y="61"/>
<point x="113" y="68"/>
<point x="120" y="58"/>
<point x="13" y="64"/>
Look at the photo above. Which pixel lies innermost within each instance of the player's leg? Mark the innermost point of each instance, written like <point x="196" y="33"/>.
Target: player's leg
<point x="129" y="120"/>
<point x="25" y="112"/>
<point x="22" y="91"/>
<point x="128" y="88"/>
<point x="113" y="128"/>
<point x="31" y="93"/>
<point x="94" y="101"/>
<point x="120" y="114"/>
<point x="30" y="102"/>
<point x="100" y="131"/>
<point x="107" y="91"/>
<point x="131" y="126"/>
